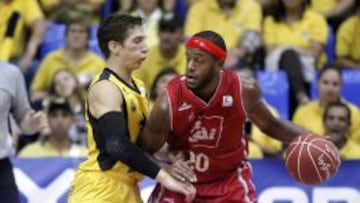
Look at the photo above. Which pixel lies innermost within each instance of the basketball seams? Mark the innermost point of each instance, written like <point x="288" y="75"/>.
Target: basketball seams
<point x="298" y="164"/>
<point x="315" y="146"/>
<point x="303" y="144"/>
<point x="292" y="150"/>
<point x="299" y="159"/>
<point x="337" y="156"/>
<point x="295" y="143"/>
<point x="334" y="166"/>
<point x="290" y="153"/>
<point x="322" y="151"/>
<point x="313" y="163"/>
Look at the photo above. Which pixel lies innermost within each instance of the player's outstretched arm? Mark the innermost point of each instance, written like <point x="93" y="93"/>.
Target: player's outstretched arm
<point x="113" y="138"/>
<point x="111" y="132"/>
<point x="259" y="114"/>
<point x="157" y="128"/>
<point x="154" y="136"/>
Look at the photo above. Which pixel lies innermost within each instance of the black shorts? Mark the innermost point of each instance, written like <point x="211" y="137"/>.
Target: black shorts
<point x="8" y="189"/>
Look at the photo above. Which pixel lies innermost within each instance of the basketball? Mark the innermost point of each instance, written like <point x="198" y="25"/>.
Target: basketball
<point x="311" y="159"/>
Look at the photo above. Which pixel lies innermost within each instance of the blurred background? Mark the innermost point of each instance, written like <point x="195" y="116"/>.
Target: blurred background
<point x="305" y="54"/>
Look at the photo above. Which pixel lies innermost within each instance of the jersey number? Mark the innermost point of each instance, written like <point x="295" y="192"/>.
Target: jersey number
<point x="199" y="162"/>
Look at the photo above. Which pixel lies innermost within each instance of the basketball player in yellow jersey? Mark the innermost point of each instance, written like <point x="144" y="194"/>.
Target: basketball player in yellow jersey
<point x="116" y="112"/>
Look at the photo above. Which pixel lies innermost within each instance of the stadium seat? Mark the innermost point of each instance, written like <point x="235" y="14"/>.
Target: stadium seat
<point x="275" y="89"/>
<point x="330" y="46"/>
<point x="93" y="32"/>
<point x="94" y="47"/>
<point x="93" y="42"/>
<point x="54" y="32"/>
<point x="181" y="10"/>
<point x="350" y="89"/>
<point x="49" y="47"/>
<point x="107" y="8"/>
<point x="54" y="38"/>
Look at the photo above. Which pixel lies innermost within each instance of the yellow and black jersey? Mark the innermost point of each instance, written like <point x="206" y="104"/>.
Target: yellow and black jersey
<point x="135" y="108"/>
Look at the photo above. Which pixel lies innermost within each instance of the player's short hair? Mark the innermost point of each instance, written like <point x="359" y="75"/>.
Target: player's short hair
<point x="115" y="27"/>
<point x="212" y="37"/>
<point x="341" y="105"/>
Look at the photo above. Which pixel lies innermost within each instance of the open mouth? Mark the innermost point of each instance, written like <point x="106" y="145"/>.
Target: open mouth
<point x="143" y="58"/>
<point x="191" y="78"/>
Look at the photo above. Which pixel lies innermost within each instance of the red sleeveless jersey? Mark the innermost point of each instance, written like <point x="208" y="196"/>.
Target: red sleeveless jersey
<point x="212" y="132"/>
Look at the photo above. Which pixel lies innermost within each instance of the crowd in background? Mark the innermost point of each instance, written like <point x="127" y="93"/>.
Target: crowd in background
<point x="268" y="35"/>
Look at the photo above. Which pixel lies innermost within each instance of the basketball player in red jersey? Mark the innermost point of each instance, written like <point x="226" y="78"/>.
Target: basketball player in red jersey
<point x="203" y="114"/>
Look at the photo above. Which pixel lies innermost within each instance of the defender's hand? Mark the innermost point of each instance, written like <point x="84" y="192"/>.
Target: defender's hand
<point x="172" y="184"/>
<point x="182" y="171"/>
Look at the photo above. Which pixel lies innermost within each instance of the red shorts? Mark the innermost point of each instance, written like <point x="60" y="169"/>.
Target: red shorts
<point x="237" y="187"/>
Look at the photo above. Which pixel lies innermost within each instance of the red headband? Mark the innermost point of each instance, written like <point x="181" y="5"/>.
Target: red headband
<point x="206" y="46"/>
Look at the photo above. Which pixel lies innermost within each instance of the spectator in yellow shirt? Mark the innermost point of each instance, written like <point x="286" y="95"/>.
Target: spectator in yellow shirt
<point x="57" y="143"/>
<point x="75" y="56"/>
<point x="348" y="42"/>
<point x="150" y="12"/>
<point x="268" y="145"/>
<point x="294" y="38"/>
<point x="337" y="123"/>
<point x="16" y="17"/>
<point x="238" y="21"/>
<point x="168" y="53"/>
<point x="309" y="116"/>
<point x="255" y="151"/>
<point x="335" y="11"/>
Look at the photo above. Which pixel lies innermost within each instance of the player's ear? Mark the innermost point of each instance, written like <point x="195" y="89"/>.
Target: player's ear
<point x="220" y="63"/>
<point x="114" y="47"/>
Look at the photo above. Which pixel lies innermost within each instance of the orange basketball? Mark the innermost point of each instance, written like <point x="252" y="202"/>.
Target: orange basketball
<point x="312" y="159"/>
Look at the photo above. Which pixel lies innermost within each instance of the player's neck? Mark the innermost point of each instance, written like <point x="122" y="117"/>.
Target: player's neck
<point x="119" y="69"/>
<point x="207" y="92"/>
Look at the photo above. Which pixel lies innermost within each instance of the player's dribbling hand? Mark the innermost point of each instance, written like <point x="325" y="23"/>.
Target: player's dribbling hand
<point x="172" y="184"/>
<point x="182" y="171"/>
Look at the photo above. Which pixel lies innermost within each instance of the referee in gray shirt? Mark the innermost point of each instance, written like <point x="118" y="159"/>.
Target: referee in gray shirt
<point x="14" y="100"/>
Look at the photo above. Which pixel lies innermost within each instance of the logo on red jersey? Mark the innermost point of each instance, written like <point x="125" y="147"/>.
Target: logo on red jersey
<point x="227" y="101"/>
<point x="184" y="106"/>
<point x="206" y="131"/>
